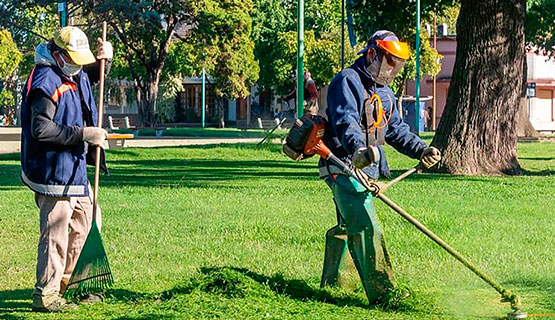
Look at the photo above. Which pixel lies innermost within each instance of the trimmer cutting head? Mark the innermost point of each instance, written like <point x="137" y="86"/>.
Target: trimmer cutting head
<point x="517" y="314"/>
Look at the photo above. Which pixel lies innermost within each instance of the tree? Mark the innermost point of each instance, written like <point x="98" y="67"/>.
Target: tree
<point x="9" y="54"/>
<point x="477" y="133"/>
<point x="269" y="19"/>
<point x="146" y="30"/>
<point x="322" y="58"/>
<point x="275" y="37"/>
<point x="30" y="23"/>
<point x="400" y="17"/>
<point x="10" y="57"/>
<point x="227" y="51"/>
<point x="540" y="26"/>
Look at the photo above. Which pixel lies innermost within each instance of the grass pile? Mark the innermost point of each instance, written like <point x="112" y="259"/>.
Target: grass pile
<point x="237" y="232"/>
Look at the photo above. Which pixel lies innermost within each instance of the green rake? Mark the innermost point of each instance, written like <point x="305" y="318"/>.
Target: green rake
<point x="92" y="273"/>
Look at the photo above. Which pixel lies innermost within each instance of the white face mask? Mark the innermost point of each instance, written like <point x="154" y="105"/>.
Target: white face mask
<point x="69" y="69"/>
<point x="383" y="69"/>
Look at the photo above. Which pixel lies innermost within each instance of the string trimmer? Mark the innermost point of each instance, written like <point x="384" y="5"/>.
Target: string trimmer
<point x="309" y="131"/>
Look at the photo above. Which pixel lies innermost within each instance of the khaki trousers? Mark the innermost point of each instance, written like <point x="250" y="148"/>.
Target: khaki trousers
<point x="64" y="227"/>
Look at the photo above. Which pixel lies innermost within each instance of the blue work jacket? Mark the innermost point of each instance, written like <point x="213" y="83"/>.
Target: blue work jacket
<point x="343" y="134"/>
<point x="53" y="169"/>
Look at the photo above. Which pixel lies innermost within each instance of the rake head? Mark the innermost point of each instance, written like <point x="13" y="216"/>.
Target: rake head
<point x="92" y="273"/>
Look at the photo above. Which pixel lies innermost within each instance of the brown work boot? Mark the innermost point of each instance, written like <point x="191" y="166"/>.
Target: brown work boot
<point x="92" y="298"/>
<point x="63" y="285"/>
<point x="51" y="303"/>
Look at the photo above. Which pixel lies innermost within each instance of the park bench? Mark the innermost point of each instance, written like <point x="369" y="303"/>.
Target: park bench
<point x="118" y="141"/>
<point x="119" y="123"/>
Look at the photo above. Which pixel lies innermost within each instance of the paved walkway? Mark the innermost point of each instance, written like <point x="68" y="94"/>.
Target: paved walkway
<point x="10" y="141"/>
<point x="146" y="142"/>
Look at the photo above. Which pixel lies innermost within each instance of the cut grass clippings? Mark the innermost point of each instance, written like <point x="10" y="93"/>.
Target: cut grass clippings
<point x="237" y="232"/>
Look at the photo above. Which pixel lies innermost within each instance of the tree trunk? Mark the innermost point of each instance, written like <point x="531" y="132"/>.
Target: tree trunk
<point x="400" y="94"/>
<point x="147" y="101"/>
<point x="221" y="113"/>
<point x="477" y="132"/>
<point x="523" y="125"/>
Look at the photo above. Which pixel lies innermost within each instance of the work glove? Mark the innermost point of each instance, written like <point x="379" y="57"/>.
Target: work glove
<point x="430" y="157"/>
<point x="363" y="157"/>
<point x="94" y="135"/>
<point x="104" y="50"/>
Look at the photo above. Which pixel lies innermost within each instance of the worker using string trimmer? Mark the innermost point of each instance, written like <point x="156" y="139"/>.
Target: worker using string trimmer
<point x="362" y="115"/>
<point x="58" y="118"/>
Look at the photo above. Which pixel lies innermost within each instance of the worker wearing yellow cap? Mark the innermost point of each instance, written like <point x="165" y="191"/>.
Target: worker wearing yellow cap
<point x="58" y="119"/>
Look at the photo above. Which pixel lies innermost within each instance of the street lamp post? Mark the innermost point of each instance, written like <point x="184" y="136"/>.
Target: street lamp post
<point x="62" y="11"/>
<point x="417" y="89"/>
<point x="203" y="104"/>
<point x="300" y="57"/>
<point x="342" y="34"/>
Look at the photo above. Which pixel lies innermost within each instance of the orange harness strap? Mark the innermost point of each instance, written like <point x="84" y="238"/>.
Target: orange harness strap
<point x="378" y="121"/>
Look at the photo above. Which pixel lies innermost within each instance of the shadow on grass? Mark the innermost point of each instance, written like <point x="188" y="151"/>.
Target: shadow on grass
<point x="135" y="170"/>
<point x="12" y="301"/>
<point x="200" y="173"/>
<point x="542" y="173"/>
<point x="538" y="158"/>
<point x="183" y="173"/>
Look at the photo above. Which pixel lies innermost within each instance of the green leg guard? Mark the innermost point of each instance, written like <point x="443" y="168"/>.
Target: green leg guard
<point x="372" y="263"/>
<point x="339" y="268"/>
<point x="365" y="236"/>
<point x="336" y="245"/>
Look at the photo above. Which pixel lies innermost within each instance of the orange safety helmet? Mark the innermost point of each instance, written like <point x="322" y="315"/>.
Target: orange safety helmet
<point x="395" y="48"/>
<point x="388" y="42"/>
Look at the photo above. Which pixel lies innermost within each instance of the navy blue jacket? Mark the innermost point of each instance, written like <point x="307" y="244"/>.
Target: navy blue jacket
<point x="343" y="134"/>
<point x="49" y="167"/>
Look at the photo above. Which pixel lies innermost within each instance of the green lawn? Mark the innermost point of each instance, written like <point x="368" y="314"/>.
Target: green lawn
<point x="237" y="232"/>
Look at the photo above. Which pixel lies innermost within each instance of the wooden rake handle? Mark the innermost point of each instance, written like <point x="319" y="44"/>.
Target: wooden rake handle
<point x="99" y="125"/>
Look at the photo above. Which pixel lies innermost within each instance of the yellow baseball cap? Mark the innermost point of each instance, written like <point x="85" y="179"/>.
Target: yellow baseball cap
<point x="75" y="43"/>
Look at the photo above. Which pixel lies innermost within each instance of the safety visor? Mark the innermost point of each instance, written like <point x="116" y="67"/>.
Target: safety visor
<point x="390" y="65"/>
<point x="392" y="61"/>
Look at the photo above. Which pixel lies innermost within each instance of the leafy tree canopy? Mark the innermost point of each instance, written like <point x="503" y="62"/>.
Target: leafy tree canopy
<point x="322" y="58"/>
<point x="274" y="35"/>
<point x="30" y="23"/>
<point x="540" y="26"/>
<point x="9" y="54"/>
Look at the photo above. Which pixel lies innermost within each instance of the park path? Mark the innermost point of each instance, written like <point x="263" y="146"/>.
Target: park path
<point x="10" y="141"/>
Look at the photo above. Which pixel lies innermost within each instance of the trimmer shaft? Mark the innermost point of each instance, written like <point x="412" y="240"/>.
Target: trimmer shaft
<point x="517" y="314"/>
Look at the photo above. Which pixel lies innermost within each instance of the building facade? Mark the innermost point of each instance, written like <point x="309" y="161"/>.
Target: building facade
<point x="541" y="74"/>
<point x="541" y="105"/>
